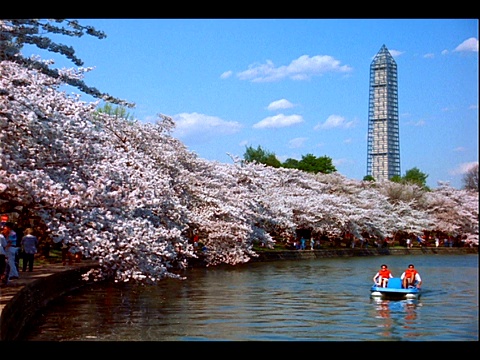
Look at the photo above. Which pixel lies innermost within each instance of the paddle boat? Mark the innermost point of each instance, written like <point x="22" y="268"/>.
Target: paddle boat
<point x="394" y="291"/>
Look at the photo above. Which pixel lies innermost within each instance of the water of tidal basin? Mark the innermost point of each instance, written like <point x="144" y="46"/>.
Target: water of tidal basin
<point x="303" y="300"/>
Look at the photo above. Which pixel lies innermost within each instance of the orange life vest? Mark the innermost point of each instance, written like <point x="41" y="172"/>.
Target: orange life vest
<point x="410" y="273"/>
<point x="384" y="273"/>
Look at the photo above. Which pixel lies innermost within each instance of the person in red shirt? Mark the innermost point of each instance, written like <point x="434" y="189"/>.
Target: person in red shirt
<point x="382" y="276"/>
<point x="411" y="277"/>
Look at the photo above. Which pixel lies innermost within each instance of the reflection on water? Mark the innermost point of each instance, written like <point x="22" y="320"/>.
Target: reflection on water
<point x="314" y="300"/>
<point x="388" y="311"/>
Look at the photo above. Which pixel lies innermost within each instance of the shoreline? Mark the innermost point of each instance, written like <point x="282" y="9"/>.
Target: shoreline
<point x="24" y="297"/>
<point x="351" y="252"/>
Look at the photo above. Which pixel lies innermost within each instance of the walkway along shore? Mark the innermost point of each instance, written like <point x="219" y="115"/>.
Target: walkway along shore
<point x="22" y="298"/>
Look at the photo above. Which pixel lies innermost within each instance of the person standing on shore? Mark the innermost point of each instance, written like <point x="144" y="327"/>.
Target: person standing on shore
<point x="11" y="250"/>
<point x="4" y="273"/>
<point x="12" y="253"/>
<point x="302" y="243"/>
<point x="29" y="245"/>
<point x="409" y="243"/>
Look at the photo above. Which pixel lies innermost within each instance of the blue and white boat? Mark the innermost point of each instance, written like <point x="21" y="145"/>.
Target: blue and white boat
<point x="394" y="291"/>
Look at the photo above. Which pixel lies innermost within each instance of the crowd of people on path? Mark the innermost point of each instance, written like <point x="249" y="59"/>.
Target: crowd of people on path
<point x="410" y="277"/>
<point x="12" y="248"/>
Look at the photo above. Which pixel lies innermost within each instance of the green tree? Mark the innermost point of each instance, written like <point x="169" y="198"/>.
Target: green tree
<point x="261" y="156"/>
<point x="368" y="178"/>
<point x="309" y="163"/>
<point x="290" y="163"/>
<point x="415" y="176"/>
<point x="313" y="164"/>
<point x="118" y="111"/>
<point x="397" y="179"/>
<point x="15" y="33"/>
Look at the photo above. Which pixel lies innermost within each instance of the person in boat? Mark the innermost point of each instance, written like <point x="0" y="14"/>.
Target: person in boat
<point x="411" y="277"/>
<point x="382" y="276"/>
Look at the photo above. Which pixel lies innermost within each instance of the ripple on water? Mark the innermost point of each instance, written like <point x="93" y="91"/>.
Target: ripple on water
<point x="311" y="300"/>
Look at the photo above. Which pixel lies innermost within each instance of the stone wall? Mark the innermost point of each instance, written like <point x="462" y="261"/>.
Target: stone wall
<point x="349" y="252"/>
<point x="34" y="296"/>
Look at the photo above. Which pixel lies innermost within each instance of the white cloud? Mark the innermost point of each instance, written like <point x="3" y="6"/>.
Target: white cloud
<point x="188" y="124"/>
<point x="337" y="162"/>
<point x="463" y="168"/>
<point x="278" y="121"/>
<point x="280" y="104"/>
<point x="302" y="68"/>
<point x="470" y="44"/>
<point x="297" y="143"/>
<point x="459" y="149"/>
<point x="334" y="121"/>
<point x="226" y="74"/>
<point x="429" y="56"/>
<point x="395" y="53"/>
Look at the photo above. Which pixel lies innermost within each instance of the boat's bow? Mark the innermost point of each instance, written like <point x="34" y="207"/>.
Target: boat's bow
<point x="394" y="291"/>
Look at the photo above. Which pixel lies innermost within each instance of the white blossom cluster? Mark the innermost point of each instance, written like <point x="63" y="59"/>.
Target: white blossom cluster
<point x="131" y="196"/>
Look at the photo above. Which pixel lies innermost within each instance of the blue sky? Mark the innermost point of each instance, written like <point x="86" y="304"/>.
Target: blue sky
<point x="295" y="86"/>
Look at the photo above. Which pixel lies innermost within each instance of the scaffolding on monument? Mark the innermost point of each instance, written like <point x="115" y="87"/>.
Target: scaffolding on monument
<point x="383" y="143"/>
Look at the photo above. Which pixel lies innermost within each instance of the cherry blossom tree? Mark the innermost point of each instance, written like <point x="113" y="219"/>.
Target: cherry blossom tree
<point x="131" y="196"/>
<point x="15" y="33"/>
<point x="470" y="178"/>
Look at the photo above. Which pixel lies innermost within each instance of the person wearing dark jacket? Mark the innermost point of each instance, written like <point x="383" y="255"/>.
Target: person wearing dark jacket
<point x="29" y="245"/>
